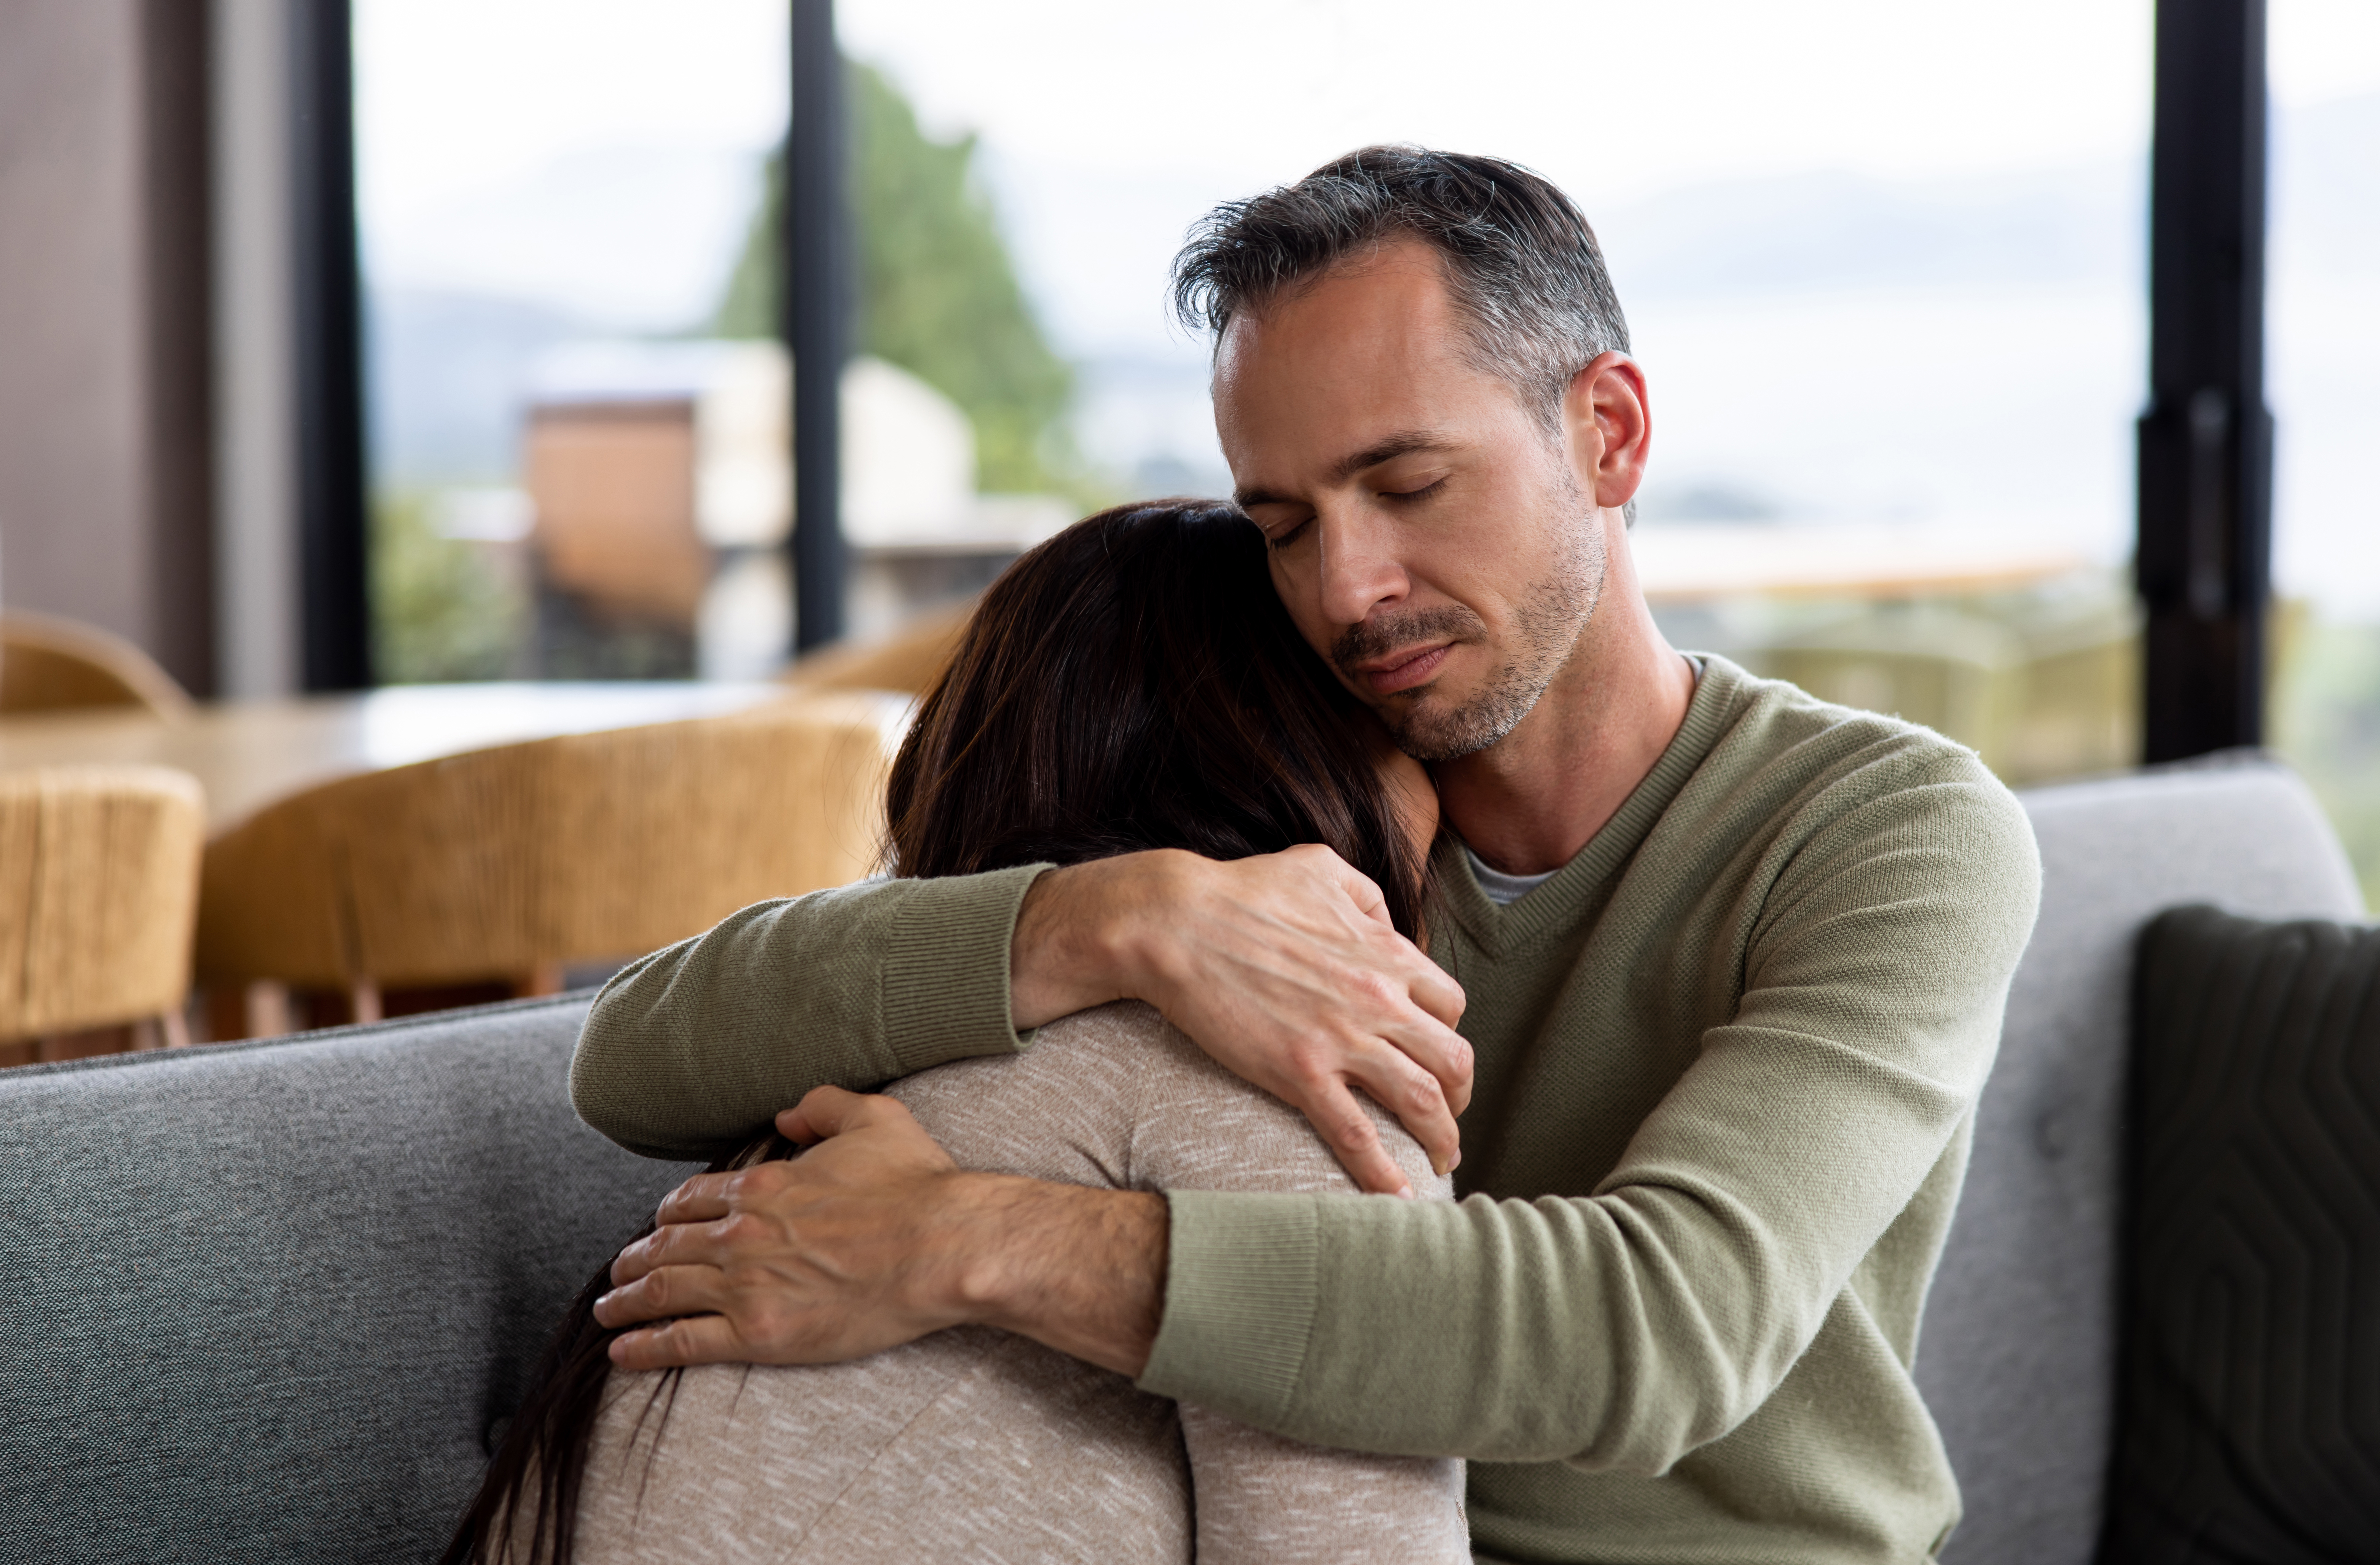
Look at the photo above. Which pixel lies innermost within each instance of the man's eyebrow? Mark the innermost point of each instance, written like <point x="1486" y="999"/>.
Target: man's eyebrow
<point x="1404" y="444"/>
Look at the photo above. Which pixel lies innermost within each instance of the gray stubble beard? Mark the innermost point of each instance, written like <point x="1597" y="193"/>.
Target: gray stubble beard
<point x="1553" y="612"/>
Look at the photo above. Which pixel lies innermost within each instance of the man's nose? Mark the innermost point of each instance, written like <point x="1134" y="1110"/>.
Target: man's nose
<point x="1360" y="568"/>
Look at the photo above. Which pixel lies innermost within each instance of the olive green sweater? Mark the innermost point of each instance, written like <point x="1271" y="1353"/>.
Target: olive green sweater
<point x="1727" y="1061"/>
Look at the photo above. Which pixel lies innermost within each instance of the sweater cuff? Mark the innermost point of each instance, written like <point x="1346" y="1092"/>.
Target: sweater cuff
<point x="1240" y="1297"/>
<point x="945" y="970"/>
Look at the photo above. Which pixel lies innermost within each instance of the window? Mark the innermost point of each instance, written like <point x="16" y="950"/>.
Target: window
<point x="572" y="476"/>
<point x="1883" y="264"/>
<point x="2323" y="328"/>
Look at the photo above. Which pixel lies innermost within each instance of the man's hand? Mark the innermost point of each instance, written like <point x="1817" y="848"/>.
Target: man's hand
<point x="1284" y="967"/>
<point x="872" y="1238"/>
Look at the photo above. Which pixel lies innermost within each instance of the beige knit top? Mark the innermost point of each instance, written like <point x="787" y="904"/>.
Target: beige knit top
<point x="976" y="1445"/>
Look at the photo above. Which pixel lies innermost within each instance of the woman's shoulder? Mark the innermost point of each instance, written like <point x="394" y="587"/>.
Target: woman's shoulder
<point x="1117" y="1096"/>
<point x="1198" y="1126"/>
<point x="1128" y="1024"/>
<point x="1064" y="1107"/>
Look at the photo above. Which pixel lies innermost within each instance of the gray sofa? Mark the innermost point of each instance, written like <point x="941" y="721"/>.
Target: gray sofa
<point x="268" y="1302"/>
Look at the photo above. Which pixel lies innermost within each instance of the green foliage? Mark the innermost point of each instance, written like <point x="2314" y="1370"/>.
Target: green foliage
<point x="2328" y="725"/>
<point x="441" y="609"/>
<point x="938" y="294"/>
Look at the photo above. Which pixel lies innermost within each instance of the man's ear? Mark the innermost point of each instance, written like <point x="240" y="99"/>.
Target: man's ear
<point x="1607" y="420"/>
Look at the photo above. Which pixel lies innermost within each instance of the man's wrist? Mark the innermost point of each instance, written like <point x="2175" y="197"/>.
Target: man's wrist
<point x="1080" y="1269"/>
<point x="1079" y="939"/>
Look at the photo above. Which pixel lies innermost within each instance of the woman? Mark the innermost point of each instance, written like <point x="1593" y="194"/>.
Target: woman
<point x="1133" y="683"/>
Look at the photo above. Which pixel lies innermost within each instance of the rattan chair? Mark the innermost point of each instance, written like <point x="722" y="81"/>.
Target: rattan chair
<point x="514" y="862"/>
<point x="52" y="664"/>
<point x="99" y="878"/>
<point x="907" y="663"/>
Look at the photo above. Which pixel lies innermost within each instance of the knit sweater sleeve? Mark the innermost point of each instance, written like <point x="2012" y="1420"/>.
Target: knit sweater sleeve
<point x="691" y="1049"/>
<point x="1627" y="1326"/>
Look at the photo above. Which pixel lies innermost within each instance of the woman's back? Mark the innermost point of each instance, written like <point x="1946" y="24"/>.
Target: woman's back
<point x="973" y="1444"/>
<point x="1131" y="684"/>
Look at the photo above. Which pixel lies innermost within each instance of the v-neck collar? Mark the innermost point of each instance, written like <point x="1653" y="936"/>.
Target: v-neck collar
<point x="1553" y="907"/>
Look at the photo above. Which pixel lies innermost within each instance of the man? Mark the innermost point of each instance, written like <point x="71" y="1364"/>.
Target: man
<point x="1731" y="966"/>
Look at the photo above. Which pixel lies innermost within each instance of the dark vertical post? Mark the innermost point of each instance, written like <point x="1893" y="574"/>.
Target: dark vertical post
<point x="178" y="200"/>
<point x="815" y="303"/>
<point x="334" y="610"/>
<point x="2206" y="440"/>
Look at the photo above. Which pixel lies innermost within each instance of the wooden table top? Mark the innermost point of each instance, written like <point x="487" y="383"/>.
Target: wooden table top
<point x="247" y="754"/>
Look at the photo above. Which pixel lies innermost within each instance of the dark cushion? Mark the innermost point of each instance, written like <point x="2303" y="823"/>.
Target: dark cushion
<point x="2249" y="1408"/>
<point x="264" y="1302"/>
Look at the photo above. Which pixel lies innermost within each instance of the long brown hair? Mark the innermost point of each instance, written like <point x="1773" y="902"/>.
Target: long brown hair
<point x="1134" y="682"/>
<point x="1131" y="684"/>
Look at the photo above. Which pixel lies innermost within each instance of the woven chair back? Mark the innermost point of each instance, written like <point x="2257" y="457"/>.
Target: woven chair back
<point x="52" y="664"/>
<point x="585" y="848"/>
<point x="99" y="881"/>
<point x="908" y="663"/>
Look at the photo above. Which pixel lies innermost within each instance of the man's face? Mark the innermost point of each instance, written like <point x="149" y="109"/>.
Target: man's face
<point x="1430" y="538"/>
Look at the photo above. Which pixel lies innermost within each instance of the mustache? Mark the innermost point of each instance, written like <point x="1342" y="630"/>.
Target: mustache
<point x="1374" y="637"/>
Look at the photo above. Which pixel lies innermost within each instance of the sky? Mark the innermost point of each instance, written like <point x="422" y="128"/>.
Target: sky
<point x="598" y="155"/>
<point x="1159" y="109"/>
<point x="1612" y="98"/>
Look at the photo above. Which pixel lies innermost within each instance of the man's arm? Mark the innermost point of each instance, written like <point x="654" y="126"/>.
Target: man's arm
<point x="1622" y="1329"/>
<point x="690" y="1050"/>
<point x="1284" y="967"/>
<point x="1626" y="1327"/>
<point x="873" y="1239"/>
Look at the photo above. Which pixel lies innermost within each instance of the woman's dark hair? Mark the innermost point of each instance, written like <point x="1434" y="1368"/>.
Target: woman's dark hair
<point x="1134" y="682"/>
<point x="1131" y="684"/>
<point x="529" y="1496"/>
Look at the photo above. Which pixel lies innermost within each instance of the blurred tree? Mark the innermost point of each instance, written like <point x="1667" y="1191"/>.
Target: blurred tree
<point x="938" y="294"/>
<point x="440" y="609"/>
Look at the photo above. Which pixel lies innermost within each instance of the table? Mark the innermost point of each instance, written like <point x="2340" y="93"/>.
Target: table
<point x="249" y="754"/>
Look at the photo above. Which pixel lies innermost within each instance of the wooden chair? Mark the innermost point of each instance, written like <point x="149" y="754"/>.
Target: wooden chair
<point x="99" y="881"/>
<point x="52" y="664"/>
<point x="511" y="863"/>
<point x="908" y="662"/>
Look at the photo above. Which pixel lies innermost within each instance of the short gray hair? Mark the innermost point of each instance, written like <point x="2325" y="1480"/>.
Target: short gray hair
<point x="1521" y="262"/>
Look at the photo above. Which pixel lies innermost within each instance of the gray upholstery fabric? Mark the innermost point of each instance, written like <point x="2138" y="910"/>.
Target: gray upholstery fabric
<point x="262" y="1302"/>
<point x="2017" y="1355"/>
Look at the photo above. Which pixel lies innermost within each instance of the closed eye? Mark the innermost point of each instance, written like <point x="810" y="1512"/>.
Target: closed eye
<point x="1424" y="490"/>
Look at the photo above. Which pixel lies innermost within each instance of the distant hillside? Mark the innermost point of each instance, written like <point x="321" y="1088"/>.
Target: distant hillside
<point x="444" y="380"/>
<point x="1835" y="231"/>
<point x="447" y="363"/>
<point x="2078" y="224"/>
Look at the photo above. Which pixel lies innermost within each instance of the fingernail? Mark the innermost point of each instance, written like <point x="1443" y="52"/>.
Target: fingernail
<point x="1454" y="1163"/>
<point x="1405" y="1191"/>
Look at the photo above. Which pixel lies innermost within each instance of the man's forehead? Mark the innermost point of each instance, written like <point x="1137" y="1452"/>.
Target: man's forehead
<point x="1392" y="298"/>
<point x="1338" y="381"/>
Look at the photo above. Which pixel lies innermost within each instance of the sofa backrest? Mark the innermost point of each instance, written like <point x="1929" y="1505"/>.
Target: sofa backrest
<point x="264" y="1302"/>
<point x="2017" y="1354"/>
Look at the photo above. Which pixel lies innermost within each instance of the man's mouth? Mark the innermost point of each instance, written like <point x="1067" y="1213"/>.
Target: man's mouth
<point x="1404" y="651"/>
<point x="1403" y="669"/>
